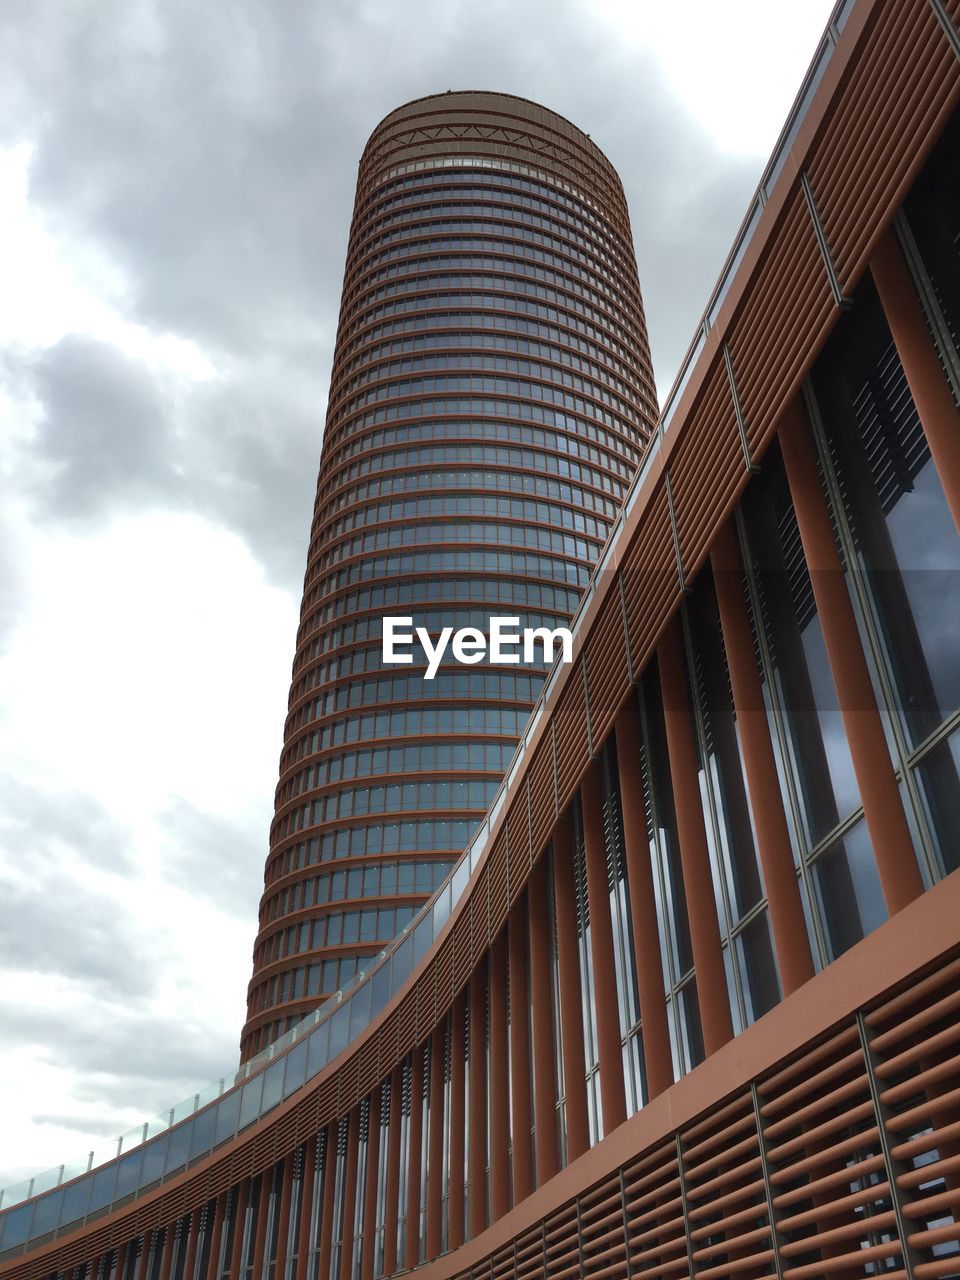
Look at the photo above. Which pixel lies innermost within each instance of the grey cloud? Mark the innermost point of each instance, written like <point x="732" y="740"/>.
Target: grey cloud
<point x="241" y="450"/>
<point x="214" y="857"/>
<point x="54" y="922"/>
<point x="82" y="1124"/>
<point x="123" y="1058"/>
<point x="33" y="821"/>
<point x="58" y="927"/>
<point x="12" y="582"/>
<point x="217" y="158"/>
<point x="104" y="427"/>
<point x="121" y="1051"/>
<point x="215" y="163"/>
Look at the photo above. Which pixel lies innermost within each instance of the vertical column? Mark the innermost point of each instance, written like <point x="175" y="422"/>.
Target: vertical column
<point x="325" y="1242"/>
<point x="393" y="1172"/>
<point x="350" y="1193"/>
<point x="694" y="855"/>
<point x="883" y="811"/>
<point x="604" y="994"/>
<point x="367" y="1251"/>
<point x="921" y="364"/>
<point x="458" y="1122"/>
<point x="414" y="1156"/>
<point x="499" y="1081"/>
<point x="434" y="1240"/>
<point x="541" y="1017"/>
<point x="760" y="767"/>
<point x="193" y="1231"/>
<point x="643" y="904"/>
<point x="306" y="1209"/>
<point x="166" y="1256"/>
<point x="140" y="1256"/>
<point x="283" y="1215"/>
<point x="520" y="1050"/>
<point x="571" y="1008"/>
<point x="122" y="1261"/>
<point x="478" y="1101"/>
<point x="239" y="1216"/>
<point x="216" y="1236"/>
<point x="260" y="1226"/>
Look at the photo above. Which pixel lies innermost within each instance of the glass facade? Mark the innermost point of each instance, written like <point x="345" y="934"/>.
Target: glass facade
<point x="490" y="399"/>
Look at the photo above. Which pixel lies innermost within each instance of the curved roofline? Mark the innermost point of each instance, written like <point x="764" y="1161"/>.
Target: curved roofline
<point x="489" y="93"/>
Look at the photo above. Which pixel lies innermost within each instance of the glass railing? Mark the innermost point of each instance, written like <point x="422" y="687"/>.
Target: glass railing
<point x="65" y="1196"/>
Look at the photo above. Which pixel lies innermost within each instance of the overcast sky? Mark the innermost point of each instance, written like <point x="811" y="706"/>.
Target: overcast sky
<point x="176" y="183"/>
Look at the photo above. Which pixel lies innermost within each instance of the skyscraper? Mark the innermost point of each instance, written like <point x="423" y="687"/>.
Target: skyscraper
<point x="687" y="1006"/>
<point x="490" y="399"/>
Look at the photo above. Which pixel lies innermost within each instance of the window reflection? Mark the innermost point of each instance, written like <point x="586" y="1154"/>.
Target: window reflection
<point x="803" y="685"/>
<point x="682" y="1009"/>
<point x="904" y="534"/>
<point x="939" y="777"/>
<point x="848" y="890"/>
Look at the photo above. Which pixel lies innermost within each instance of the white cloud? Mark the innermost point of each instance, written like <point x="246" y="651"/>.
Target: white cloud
<point x="52" y="288"/>
<point x="736" y="67"/>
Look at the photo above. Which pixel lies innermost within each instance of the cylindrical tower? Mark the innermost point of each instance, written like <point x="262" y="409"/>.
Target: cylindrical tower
<point x="490" y="399"/>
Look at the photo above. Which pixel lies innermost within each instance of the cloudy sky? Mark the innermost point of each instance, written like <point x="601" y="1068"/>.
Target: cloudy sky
<point x="176" y="183"/>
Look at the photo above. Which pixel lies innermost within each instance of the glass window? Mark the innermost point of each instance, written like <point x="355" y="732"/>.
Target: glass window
<point x="848" y="890"/>
<point x="803" y="684"/>
<point x="904" y="533"/>
<point x="939" y="777"/>
<point x="662" y="827"/>
<point x="757" y="967"/>
<point x="933" y="212"/>
<point x="722" y="766"/>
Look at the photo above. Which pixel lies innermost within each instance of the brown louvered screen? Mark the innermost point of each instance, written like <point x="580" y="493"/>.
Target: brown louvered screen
<point x="497" y="877"/>
<point x="651" y="580"/>
<point x="561" y="1244"/>
<point x="518" y="836"/>
<point x="368" y="1072"/>
<point x="407" y="1024"/>
<point x="729" y="1224"/>
<point x="785" y="311"/>
<point x="462" y="950"/>
<point x="818" y="1146"/>
<point x="443" y="968"/>
<point x="543" y="811"/>
<point x="570" y="719"/>
<point x="603" y="1245"/>
<point x="528" y="1255"/>
<point x="708" y="468"/>
<point x="654" y="1215"/>
<point x="830" y="1194"/>
<point x="904" y="79"/>
<point x="913" y="1043"/>
<point x="608" y="676"/>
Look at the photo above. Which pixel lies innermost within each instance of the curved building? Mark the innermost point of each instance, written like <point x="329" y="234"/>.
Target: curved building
<point x="490" y="398"/>
<point x="686" y="1007"/>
